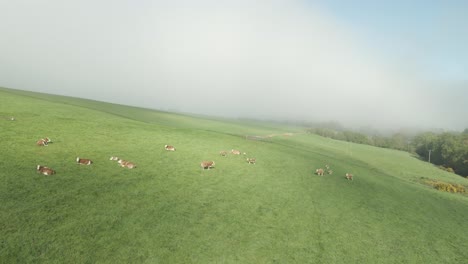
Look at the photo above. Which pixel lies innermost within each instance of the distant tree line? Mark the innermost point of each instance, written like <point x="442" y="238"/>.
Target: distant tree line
<point x="448" y="150"/>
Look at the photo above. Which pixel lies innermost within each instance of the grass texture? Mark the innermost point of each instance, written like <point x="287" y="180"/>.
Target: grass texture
<point x="169" y="210"/>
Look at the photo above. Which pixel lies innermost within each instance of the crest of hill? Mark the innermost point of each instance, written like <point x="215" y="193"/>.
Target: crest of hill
<point x="239" y="127"/>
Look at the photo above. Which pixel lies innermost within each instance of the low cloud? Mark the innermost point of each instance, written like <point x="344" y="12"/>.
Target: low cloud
<point x="268" y="59"/>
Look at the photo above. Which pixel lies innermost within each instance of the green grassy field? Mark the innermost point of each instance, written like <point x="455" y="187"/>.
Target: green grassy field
<point x="169" y="210"/>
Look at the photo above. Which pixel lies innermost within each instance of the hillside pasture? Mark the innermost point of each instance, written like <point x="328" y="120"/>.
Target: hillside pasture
<point x="169" y="210"/>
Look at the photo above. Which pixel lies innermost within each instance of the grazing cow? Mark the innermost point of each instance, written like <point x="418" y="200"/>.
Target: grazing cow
<point x="44" y="170"/>
<point x="319" y="171"/>
<point x="235" y="152"/>
<point x="223" y="153"/>
<point x="126" y="164"/>
<point x="251" y="160"/>
<point x="170" y="148"/>
<point x="330" y="172"/>
<point x="349" y="176"/>
<point x="83" y="161"/>
<point x="207" y="164"/>
<point x="114" y="158"/>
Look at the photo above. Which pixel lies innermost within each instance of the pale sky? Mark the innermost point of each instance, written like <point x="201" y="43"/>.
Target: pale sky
<point x="383" y="64"/>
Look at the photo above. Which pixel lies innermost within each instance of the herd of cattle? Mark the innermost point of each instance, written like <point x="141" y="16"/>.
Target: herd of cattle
<point x="128" y="164"/>
<point x="210" y="164"/>
<point x="48" y="171"/>
<point x="321" y="172"/>
<point x="204" y="164"/>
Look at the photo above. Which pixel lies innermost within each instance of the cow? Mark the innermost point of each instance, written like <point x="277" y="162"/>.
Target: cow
<point x="207" y="164"/>
<point x="170" y="148"/>
<point x="83" y="161"/>
<point x="44" y="170"/>
<point x="43" y="142"/>
<point x="223" y="153"/>
<point x="126" y="164"/>
<point x="319" y="171"/>
<point x="114" y="158"/>
<point x="349" y="176"/>
<point x="235" y="152"/>
<point x="251" y="160"/>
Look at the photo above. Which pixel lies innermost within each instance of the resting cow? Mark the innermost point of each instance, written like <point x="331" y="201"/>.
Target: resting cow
<point x="83" y="161"/>
<point x="235" y="152"/>
<point x="251" y="160"/>
<point x="43" y="142"/>
<point x="170" y="148"/>
<point x="44" y="170"/>
<point x="126" y="164"/>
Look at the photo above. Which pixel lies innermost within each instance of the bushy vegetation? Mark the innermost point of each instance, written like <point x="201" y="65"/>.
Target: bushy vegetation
<point x="447" y="187"/>
<point x="446" y="169"/>
<point x="169" y="210"/>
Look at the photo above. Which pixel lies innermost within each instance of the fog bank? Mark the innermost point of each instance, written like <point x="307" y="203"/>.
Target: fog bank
<point x="285" y="60"/>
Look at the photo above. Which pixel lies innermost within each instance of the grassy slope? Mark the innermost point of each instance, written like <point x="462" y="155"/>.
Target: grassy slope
<point x="163" y="118"/>
<point x="169" y="210"/>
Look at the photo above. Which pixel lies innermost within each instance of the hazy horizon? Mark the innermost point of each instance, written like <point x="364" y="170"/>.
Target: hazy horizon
<point x="276" y="60"/>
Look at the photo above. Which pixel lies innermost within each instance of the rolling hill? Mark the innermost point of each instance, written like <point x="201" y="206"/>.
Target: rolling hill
<point x="169" y="210"/>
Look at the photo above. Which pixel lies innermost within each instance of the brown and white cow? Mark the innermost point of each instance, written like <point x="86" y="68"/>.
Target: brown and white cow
<point x="83" y="161"/>
<point x="126" y="164"/>
<point x="170" y="148"/>
<point x="43" y="142"/>
<point x="235" y="152"/>
<point x="349" y="176"/>
<point x="207" y="164"/>
<point x="319" y="171"/>
<point x="44" y="170"/>
<point x="251" y="160"/>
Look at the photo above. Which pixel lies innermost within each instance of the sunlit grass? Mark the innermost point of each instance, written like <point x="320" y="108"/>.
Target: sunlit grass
<point x="169" y="210"/>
